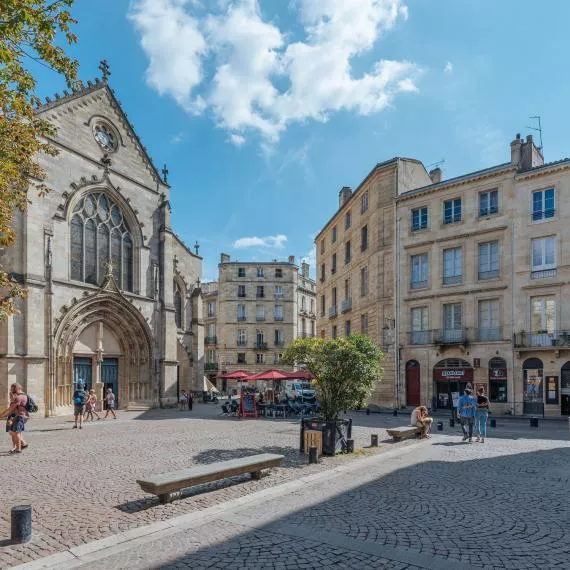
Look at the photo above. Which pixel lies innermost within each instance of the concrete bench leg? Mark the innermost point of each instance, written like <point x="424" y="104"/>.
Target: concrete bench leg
<point x="256" y="475"/>
<point x="165" y="498"/>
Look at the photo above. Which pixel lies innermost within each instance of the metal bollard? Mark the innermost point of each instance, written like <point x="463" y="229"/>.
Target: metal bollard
<point x="533" y="422"/>
<point x="367" y="411"/>
<point x="451" y="422"/>
<point x="313" y="455"/>
<point x="395" y="412"/>
<point x="493" y="422"/>
<point x="439" y="426"/>
<point x="350" y="445"/>
<point x="21" y="516"/>
<point x="374" y="440"/>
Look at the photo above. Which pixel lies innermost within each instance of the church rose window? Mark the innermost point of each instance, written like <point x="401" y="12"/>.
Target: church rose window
<point x="99" y="234"/>
<point x="105" y="137"/>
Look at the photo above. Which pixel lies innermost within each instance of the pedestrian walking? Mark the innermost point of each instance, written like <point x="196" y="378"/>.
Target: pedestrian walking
<point x="466" y="406"/>
<point x="79" y="401"/>
<point x="182" y="401"/>
<point x="110" y="399"/>
<point x="90" y="405"/>
<point x="17" y="415"/>
<point x="481" y="414"/>
<point x="190" y="401"/>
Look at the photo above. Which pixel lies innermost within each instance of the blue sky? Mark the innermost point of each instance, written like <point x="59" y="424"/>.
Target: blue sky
<point x="263" y="110"/>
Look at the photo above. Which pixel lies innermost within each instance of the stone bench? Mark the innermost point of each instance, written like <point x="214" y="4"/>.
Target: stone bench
<point x="165" y="484"/>
<point x="403" y="432"/>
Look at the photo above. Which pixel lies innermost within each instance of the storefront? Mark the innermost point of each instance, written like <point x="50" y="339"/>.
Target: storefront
<point x="498" y="380"/>
<point x="450" y="378"/>
<point x="533" y="386"/>
<point x="565" y="390"/>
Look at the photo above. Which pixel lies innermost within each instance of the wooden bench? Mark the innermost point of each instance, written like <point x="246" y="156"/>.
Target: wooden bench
<point x="403" y="432"/>
<point x="165" y="484"/>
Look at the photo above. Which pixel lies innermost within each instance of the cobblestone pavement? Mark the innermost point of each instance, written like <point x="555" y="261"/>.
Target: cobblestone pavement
<point x="82" y="483"/>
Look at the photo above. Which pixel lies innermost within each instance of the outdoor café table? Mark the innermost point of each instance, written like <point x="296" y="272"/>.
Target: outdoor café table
<point x="279" y="409"/>
<point x="263" y="408"/>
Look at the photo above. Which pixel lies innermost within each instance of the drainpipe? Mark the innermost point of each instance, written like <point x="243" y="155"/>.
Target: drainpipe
<point x="50" y="401"/>
<point x="397" y="288"/>
<point x="513" y="242"/>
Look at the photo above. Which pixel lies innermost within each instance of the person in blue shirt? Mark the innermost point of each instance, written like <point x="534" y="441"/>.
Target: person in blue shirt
<point x="466" y="406"/>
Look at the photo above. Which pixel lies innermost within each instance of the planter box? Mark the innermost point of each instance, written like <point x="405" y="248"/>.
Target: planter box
<point x="335" y="434"/>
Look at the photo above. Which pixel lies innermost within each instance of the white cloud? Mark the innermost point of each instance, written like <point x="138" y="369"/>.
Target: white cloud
<point x="237" y="140"/>
<point x="263" y="79"/>
<point x="272" y="242"/>
<point x="178" y="138"/>
<point x="448" y="67"/>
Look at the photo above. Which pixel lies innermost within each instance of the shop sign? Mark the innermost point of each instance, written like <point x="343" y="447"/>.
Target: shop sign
<point x="498" y="373"/>
<point x="447" y="374"/>
<point x="552" y="389"/>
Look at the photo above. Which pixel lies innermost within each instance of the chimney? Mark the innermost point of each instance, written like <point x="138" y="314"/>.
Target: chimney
<point x="305" y="269"/>
<point x="224" y="258"/>
<point x="531" y="155"/>
<point x="292" y="259"/>
<point x="435" y="175"/>
<point x="516" y="150"/>
<point x="343" y="196"/>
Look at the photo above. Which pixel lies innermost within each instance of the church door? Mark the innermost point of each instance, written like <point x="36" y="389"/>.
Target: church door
<point x="110" y="377"/>
<point x="82" y="371"/>
<point x="412" y="383"/>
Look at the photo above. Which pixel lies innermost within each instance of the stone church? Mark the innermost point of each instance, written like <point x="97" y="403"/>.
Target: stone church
<point x="113" y="294"/>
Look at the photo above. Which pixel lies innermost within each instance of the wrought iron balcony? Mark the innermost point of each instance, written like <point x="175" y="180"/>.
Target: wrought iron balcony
<point x="211" y="366"/>
<point x="211" y="340"/>
<point x="420" y="337"/>
<point x="489" y="334"/>
<point x="542" y="338"/>
<point x="332" y="312"/>
<point x="241" y="342"/>
<point x="259" y="317"/>
<point x="450" y="336"/>
<point x="242" y="318"/>
<point x="260" y="346"/>
<point x="418" y="284"/>
<point x="346" y="305"/>
<point x="492" y="274"/>
<point x="452" y="279"/>
<point x="543" y="274"/>
<point x="278" y="317"/>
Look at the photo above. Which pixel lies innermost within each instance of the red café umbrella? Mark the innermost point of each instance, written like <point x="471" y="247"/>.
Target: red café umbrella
<point x="242" y="375"/>
<point x="271" y="374"/>
<point x="301" y="374"/>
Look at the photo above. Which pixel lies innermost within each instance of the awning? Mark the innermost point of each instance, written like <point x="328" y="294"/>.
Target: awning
<point x="208" y="386"/>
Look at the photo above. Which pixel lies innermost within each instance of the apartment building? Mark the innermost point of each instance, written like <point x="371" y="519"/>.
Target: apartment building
<point x="210" y="312"/>
<point x="355" y="263"/>
<point x="481" y="281"/>
<point x="262" y="306"/>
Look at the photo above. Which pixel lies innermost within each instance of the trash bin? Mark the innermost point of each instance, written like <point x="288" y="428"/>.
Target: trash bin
<point x="439" y="426"/>
<point x="494" y="423"/>
<point x="533" y="422"/>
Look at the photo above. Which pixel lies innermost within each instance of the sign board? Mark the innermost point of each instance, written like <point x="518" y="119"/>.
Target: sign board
<point x="248" y="406"/>
<point x="498" y="373"/>
<point x="552" y="389"/>
<point x="451" y="374"/>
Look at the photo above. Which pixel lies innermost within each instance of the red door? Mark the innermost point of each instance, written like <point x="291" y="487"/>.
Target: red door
<point x="412" y="383"/>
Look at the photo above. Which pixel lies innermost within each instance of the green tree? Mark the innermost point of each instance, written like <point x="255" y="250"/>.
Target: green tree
<point x="29" y="31"/>
<point x="345" y="370"/>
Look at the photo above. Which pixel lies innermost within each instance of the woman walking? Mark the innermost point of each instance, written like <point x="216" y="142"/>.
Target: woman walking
<point x="90" y="405"/>
<point x="481" y="414"/>
<point x="17" y="415"/>
<point x="110" y="397"/>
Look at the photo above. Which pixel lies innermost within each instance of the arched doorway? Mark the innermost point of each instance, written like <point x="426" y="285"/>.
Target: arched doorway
<point x="108" y="331"/>
<point x="450" y="377"/>
<point x="565" y="390"/>
<point x="498" y="380"/>
<point x="412" y="383"/>
<point x="533" y="386"/>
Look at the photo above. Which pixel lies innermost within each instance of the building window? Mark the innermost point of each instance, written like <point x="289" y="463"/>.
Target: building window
<point x="419" y="277"/>
<point x="333" y="268"/>
<point x="488" y="202"/>
<point x="211" y="310"/>
<point x="241" y="290"/>
<point x="333" y="236"/>
<point x="347" y="328"/>
<point x="241" y="337"/>
<point x="211" y="357"/>
<point x="323" y="305"/>
<point x="241" y="271"/>
<point x="178" y="308"/>
<point x="241" y="358"/>
<point x="278" y="337"/>
<point x="259" y="313"/>
<point x="260" y="293"/>
<point x="278" y="314"/>
<point x="99" y="234"/>
<point x="333" y="331"/>
<point x="419" y="320"/>
<point x="489" y="320"/>
<point x="452" y="211"/>
<point x="259" y="338"/>
<point x="303" y="303"/>
<point x="260" y="272"/>
<point x="347" y="252"/>
<point x="364" y="323"/>
<point x="364" y="282"/>
<point x="279" y="272"/>
<point x="241" y="313"/>
<point x="452" y="266"/>
<point x="279" y="291"/>
<point x="543" y="320"/>
<point x="347" y="221"/>
<point x="312" y="305"/>
<point x="322" y="272"/>
<point x="259" y="358"/>
<point x="543" y="205"/>
<point x="452" y="322"/>
<point x="419" y="219"/>
<point x="364" y="238"/>
<point x="488" y="260"/>
<point x="497" y="380"/>
<point x="543" y="257"/>
<point x="364" y="202"/>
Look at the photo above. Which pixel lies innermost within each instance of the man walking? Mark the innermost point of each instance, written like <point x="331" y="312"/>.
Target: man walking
<point x="110" y="399"/>
<point x="466" y="406"/>
<point x="79" y="400"/>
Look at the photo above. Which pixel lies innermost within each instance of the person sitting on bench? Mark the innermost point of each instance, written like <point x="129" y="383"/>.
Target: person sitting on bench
<point x="421" y="419"/>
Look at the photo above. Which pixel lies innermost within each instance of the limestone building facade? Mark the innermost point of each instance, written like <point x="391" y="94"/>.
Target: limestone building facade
<point x="114" y="295"/>
<point x="306" y="302"/>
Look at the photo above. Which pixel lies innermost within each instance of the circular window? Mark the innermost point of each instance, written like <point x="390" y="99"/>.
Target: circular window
<point x="105" y="137"/>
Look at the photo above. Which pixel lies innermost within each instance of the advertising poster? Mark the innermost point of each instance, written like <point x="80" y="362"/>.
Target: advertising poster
<point x="552" y="389"/>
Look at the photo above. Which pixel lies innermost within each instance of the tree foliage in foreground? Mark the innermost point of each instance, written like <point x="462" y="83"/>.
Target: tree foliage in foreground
<point x="345" y="370"/>
<point x="28" y="31"/>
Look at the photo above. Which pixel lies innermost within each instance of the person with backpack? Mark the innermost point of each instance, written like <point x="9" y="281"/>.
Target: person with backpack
<point x="17" y="415"/>
<point x="79" y="401"/>
<point x="466" y="406"/>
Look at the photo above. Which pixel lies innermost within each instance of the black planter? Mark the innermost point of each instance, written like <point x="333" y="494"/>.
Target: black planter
<point x="335" y="434"/>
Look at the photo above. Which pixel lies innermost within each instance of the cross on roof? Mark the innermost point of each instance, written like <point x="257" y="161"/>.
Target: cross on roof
<point x="104" y="67"/>
<point x="165" y="174"/>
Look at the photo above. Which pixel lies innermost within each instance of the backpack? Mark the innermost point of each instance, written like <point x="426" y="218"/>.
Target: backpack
<point x="79" y="399"/>
<point x="31" y="406"/>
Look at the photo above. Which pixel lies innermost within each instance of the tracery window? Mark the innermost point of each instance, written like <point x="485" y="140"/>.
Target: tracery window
<point x="177" y="308"/>
<point x="100" y="233"/>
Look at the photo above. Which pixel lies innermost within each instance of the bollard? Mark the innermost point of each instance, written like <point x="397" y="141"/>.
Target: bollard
<point x="350" y="445"/>
<point x="493" y="422"/>
<point x="21" y="523"/>
<point x="313" y="455"/>
<point x="367" y="411"/>
<point x="395" y="412"/>
<point x="439" y="426"/>
<point x="533" y="422"/>
<point x="374" y="440"/>
<point x="451" y="422"/>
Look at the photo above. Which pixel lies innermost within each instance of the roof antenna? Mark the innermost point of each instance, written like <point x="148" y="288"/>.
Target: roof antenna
<point x="436" y="164"/>
<point x="539" y="129"/>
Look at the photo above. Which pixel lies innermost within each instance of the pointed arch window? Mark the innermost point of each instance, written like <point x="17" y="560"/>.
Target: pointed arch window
<point x="177" y="307"/>
<point x="99" y="233"/>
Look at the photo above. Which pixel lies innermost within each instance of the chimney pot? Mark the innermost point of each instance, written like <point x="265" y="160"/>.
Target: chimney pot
<point x="292" y="259"/>
<point x="343" y="196"/>
<point x="435" y="175"/>
<point x="224" y="258"/>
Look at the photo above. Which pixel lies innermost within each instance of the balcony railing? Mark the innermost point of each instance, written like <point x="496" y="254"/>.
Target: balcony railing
<point x="260" y="295"/>
<point x="488" y="334"/>
<point x="279" y="342"/>
<point x="418" y="284"/>
<point x="542" y="338"/>
<point x="492" y="274"/>
<point x="278" y="317"/>
<point x="346" y="305"/>
<point x="260" y="345"/>
<point x="420" y="337"/>
<point x="211" y="340"/>
<point x="452" y="279"/>
<point x="332" y="312"/>
<point x="211" y="315"/>
<point x="242" y="295"/>
<point x="259" y="317"/>
<point x="450" y="336"/>
<point x="211" y="366"/>
<point x="456" y="336"/>
<point x="489" y="210"/>
<point x="242" y="317"/>
<point x="543" y="274"/>
<point x="241" y="342"/>
<point x="279" y="295"/>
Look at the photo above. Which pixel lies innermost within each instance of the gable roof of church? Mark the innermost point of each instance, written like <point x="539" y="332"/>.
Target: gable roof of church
<point x="80" y="91"/>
